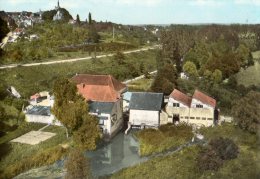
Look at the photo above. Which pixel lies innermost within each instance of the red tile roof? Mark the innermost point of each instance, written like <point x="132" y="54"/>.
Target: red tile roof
<point x="181" y="97"/>
<point x="204" y="98"/>
<point x="102" y="88"/>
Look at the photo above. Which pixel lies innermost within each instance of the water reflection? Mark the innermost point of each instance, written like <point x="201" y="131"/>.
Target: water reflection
<point x="121" y="152"/>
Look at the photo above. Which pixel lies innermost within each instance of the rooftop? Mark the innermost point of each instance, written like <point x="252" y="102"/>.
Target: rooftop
<point x="181" y="97"/>
<point x="146" y="101"/>
<point x="101" y="107"/>
<point x="102" y="88"/>
<point x="204" y="98"/>
<point x="40" y="110"/>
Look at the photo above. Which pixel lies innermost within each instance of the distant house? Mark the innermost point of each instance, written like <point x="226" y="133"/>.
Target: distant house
<point x="200" y="109"/>
<point x="41" y="114"/>
<point x="145" y="109"/>
<point x="104" y="96"/>
<point x="42" y="99"/>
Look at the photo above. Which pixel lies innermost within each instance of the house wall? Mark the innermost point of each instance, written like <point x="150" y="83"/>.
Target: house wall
<point x="194" y="102"/>
<point x="149" y="118"/>
<point x="118" y="110"/>
<point x="42" y="119"/>
<point x="171" y="101"/>
<point x="198" y="116"/>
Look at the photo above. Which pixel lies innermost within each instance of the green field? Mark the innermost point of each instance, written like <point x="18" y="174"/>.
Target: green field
<point x="141" y="85"/>
<point x="251" y="75"/>
<point x="29" y="80"/>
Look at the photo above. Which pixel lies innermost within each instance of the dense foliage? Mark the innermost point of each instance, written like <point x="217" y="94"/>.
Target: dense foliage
<point x="3" y="29"/>
<point x="246" y="112"/>
<point x="77" y="166"/>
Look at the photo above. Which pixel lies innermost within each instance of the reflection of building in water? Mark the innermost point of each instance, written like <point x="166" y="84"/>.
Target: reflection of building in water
<point x="114" y="153"/>
<point x="58" y="15"/>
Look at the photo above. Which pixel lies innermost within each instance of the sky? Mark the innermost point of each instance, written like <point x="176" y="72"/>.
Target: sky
<point x="149" y="11"/>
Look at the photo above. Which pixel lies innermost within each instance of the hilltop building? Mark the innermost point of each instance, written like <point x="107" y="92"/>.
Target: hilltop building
<point x="58" y="15"/>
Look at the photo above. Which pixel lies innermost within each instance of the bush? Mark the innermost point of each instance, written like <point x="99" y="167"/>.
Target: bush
<point x="218" y="150"/>
<point x="208" y="159"/>
<point x="225" y="148"/>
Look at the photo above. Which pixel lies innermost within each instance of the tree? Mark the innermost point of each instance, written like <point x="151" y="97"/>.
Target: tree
<point x="77" y="166"/>
<point x="87" y="136"/>
<point x="217" y="76"/>
<point x="72" y="111"/>
<point x="190" y="69"/>
<point x="246" y="112"/>
<point x="93" y="35"/>
<point x="69" y="108"/>
<point x="3" y="29"/>
<point x="3" y="115"/>
<point x="89" y="18"/>
<point x="119" y="58"/>
<point x="165" y="80"/>
<point x="78" y="19"/>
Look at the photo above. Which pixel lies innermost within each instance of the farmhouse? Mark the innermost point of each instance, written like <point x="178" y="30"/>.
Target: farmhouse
<point x="145" y="109"/>
<point x="199" y="109"/>
<point x="104" y="96"/>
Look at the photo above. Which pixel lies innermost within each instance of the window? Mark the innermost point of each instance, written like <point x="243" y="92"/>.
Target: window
<point x="186" y="117"/>
<point x="203" y="118"/>
<point x="210" y="119"/>
<point x="102" y="119"/>
<point x="192" y="117"/>
<point x="198" y="118"/>
<point x="199" y="106"/>
<point x="101" y="122"/>
<point x="182" y="117"/>
<point x="176" y="105"/>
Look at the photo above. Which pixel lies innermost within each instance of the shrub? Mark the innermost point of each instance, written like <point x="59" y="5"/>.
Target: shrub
<point x="225" y="148"/>
<point x="208" y="159"/>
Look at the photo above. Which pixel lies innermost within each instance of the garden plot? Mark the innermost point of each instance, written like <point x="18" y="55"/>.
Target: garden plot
<point x="34" y="137"/>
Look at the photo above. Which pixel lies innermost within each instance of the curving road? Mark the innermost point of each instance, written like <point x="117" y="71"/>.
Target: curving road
<point x="75" y="59"/>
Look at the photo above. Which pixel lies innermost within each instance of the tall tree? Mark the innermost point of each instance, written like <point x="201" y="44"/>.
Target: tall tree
<point x="190" y="69"/>
<point x="3" y="29"/>
<point x="77" y="166"/>
<point x="78" y="19"/>
<point x="89" y="18"/>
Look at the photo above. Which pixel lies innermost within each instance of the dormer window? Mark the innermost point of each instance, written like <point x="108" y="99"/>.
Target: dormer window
<point x="199" y="106"/>
<point x="176" y="105"/>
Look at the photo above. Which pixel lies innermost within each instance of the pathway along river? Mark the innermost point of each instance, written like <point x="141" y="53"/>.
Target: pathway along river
<point x="121" y="152"/>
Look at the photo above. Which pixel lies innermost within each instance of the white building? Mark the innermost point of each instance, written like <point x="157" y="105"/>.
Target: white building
<point x="145" y="109"/>
<point x="41" y="114"/>
<point x="107" y="114"/>
<point x="199" y="110"/>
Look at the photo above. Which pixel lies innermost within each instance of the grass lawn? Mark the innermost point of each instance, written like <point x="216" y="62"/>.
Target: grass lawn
<point x="182" y="165"/>
<point x="140" y="85"/>
<point x="250" y="76"/>
<point x="21" y="157"/>
<point x="167" y="137"/>
<point x="29" y="80"/>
